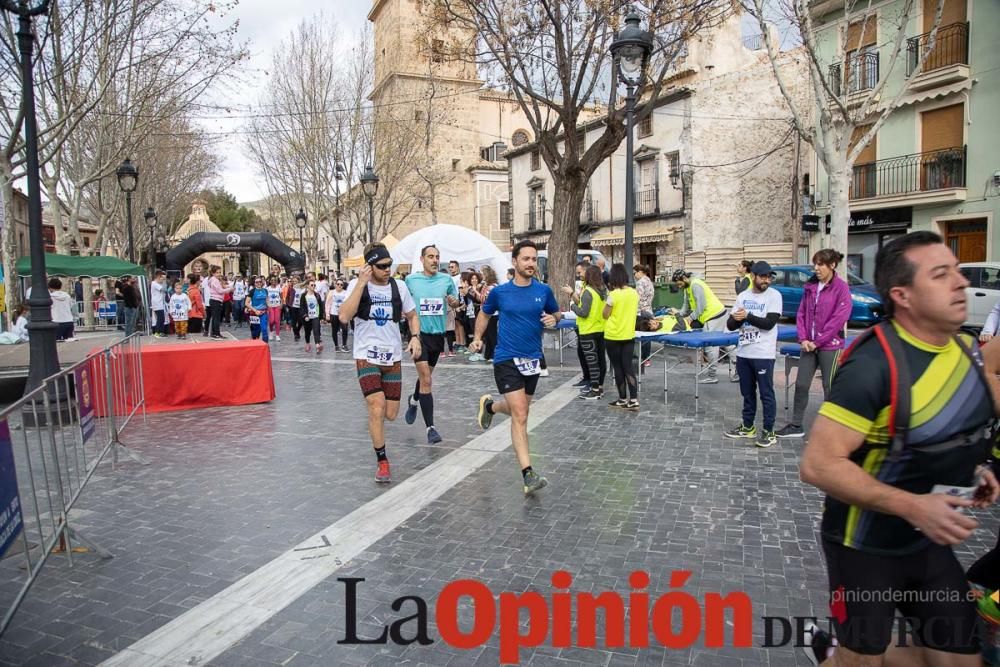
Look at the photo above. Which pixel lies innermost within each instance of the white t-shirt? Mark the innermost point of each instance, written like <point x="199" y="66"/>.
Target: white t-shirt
<point x="156" y="295"/>
<point x="273" y="297"/>
<point x="312" y="307"/>
<point x="239" y="290"/>
<point x="335" y="301"/>
<point x="299" y="291"/>
<point x="755" y="343"/>
<point x="378" y="340"/>
<point x="179" y="306"/>
<point x="322" y="287"/>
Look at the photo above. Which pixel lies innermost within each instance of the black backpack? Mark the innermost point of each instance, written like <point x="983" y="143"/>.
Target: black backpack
<point x="900" y="408"/>
<point x="365" y="305"/>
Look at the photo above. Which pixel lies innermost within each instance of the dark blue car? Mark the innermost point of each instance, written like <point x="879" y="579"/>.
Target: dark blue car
<point x="790" y="280"/>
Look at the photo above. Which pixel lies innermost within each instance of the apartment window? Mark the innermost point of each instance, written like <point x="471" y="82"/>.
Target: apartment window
<point x="505" y="215"/>
<point x="863" y="183"/>
<point x="86" y="241"/>
<point x="646" y="126"/>
<point x="437" y="50"/>
<point x="861" y="66"/>
<point x="536" y="160"/>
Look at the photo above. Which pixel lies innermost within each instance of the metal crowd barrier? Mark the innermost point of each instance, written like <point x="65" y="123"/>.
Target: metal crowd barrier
<point x="52" y="441"/>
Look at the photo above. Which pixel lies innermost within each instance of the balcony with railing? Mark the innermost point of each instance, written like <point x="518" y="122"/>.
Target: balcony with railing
<point x="948" y="62"/>
<point x="861" y="74"/>
<point x="647" y="202"/>
<point x="534" y="220"/>
<point x="930" y="177"/>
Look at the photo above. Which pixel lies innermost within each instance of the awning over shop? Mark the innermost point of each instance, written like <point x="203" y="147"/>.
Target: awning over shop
<point x="658" y="235"/>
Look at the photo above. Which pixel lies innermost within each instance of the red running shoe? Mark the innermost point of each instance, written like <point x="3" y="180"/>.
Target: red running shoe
<point x="382" y="473"/>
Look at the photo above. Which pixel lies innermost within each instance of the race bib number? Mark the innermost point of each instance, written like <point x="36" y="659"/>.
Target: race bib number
<point x="432" y="307"/>
<point x="749" y="336"/>
<point x="313" y="309"/>
<point x="380" y="355"/>
<point x="527" y="366"/>
<point x="255" y="319"/>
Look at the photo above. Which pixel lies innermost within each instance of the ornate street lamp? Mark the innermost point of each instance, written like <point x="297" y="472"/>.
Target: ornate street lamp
<point x="128" y="180"/>
<point x="43" y="356"/>
<point x="300" y="221"/>
<point x="369" y="183"/>
<point x="150" y="217"/>
<point x="630" y="51"/>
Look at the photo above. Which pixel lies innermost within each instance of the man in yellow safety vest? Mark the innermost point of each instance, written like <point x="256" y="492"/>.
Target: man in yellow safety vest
<point x="701" y="306"/>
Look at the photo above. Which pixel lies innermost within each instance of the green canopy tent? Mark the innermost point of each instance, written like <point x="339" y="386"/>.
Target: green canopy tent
<point x="78" y="266"/>
<point x="74" y="266"/>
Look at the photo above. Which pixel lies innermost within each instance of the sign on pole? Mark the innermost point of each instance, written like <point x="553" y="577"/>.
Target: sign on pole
<point x="11" y="522"/>
<point x="85" y="401"/>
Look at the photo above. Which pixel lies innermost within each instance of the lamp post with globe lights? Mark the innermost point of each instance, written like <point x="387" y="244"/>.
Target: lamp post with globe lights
<point x="128" y="180"/>
<point x="369" y="183"/>
<point x="630" y="52"/>
<point x="43" y="356"/>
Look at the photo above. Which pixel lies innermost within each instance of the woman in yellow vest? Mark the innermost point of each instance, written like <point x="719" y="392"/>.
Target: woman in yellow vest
<point x="621" y="310"/>
<point x="589" y="308"/>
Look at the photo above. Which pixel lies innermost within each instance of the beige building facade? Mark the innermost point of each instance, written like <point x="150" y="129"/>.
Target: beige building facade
<point x="459" y="174"/>
<point x="716" y="164"/>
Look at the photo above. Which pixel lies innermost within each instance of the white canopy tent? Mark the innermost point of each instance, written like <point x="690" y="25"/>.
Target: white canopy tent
<point x="470" y="249"/>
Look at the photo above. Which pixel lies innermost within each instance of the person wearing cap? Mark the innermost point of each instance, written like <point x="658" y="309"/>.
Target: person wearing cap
<point x="755" y="315"/>
<point x="377" y="303"/>
<point x="701" y="306"/>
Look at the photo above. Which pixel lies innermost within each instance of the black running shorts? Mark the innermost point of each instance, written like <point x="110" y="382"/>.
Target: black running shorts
<point x="431" y="348"/>
<point x="509" y="379"/>
<point x="927" y="587"/>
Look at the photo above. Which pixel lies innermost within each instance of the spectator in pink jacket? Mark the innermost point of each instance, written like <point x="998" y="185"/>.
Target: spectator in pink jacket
<point x="823" y="314"/>
<point x="217" y="291"/>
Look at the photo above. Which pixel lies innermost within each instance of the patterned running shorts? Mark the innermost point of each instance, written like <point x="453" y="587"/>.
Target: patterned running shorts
<point x="385" y="379"/>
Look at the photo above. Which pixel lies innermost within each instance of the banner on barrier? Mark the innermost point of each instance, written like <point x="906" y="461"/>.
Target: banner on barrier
<point x="10" y="502"/>
<point x="85" y="401"/>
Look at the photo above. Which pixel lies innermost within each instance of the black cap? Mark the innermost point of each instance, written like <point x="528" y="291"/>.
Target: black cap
<point x="761" y="269"/>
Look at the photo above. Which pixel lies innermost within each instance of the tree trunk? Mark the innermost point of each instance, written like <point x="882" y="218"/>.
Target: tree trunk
<point x="566" y="206"/>
<point x="8" y="242"/>
<point x="840" y="211"/>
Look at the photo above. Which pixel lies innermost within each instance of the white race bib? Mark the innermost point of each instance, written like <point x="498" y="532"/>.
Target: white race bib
<point x="255" y="319"/>
<point x="432" y="306"/>
<point x="273" y="299"/>
<point x="313" y="309"/>
<point x="380" y="355"/>
<point x="527" y="366"/>
<point x="749" y="336"/>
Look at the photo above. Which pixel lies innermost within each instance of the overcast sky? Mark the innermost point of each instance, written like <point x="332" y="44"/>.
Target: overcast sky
<point x="264" y="23"/>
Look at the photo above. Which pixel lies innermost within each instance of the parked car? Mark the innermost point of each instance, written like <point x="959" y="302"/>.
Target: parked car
<point x="790" y="280"/>
<point x="983" y="291"/>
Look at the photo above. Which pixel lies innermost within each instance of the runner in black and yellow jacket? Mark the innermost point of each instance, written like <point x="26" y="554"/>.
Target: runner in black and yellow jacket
<point x="897" y="448"/>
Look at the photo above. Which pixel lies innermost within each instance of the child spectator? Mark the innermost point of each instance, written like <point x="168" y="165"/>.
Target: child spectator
<point x="180" y="308"/>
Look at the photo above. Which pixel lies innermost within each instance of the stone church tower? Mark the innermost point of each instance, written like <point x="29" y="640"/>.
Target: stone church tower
<point x="438" y="122"/>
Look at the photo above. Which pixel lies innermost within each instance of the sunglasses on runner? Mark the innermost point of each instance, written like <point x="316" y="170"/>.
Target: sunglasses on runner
<point x="384" y="266"/>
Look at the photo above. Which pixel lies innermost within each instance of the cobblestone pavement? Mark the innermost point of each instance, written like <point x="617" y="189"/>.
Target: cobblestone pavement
<point x="231" y="489"/>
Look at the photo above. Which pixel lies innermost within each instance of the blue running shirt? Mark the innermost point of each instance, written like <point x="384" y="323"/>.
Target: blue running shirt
<point x="519" y="332"/>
